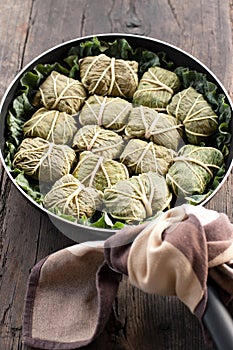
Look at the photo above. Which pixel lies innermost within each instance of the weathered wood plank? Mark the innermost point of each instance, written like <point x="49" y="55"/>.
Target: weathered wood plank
<point x="52" y="22"/>
<point x="14" y="28"/>
<point x="138" y="321"/>
<point x="12" y="34"/>
<point x="203" y="28"/>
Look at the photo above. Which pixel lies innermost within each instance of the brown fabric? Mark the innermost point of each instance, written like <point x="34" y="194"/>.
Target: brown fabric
<point x="118" y="246"/>
<point x="63" y="289"/>
<point x="70" y="293"/>
<point x="156" y="265"/>
<point x="174" y="260"/>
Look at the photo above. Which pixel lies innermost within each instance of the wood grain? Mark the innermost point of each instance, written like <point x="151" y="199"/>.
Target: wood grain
<point x="29" y="27"/>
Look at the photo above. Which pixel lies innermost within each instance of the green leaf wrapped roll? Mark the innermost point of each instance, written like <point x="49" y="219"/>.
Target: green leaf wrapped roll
<point x="160" y="128"/>
<point x="70" y="197"/>
<point x="138" y="197"/>
<point x="98" y="172"/>
<point x="102" y="75"/>
<point x="156" y="88"/>
<point x="197" y="116"/>
<point x="193" y="168"/>
<point x="105" y="143"/>
<point x="51" y="125"/>
<point x="61" y="93"/>
<point x="142" y="157"/>
<point x="43" y="160"/>
<point x="109" y="112"/>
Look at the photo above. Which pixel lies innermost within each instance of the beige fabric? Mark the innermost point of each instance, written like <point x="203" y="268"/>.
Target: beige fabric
<point x="205" y="216"/>
<point x="158" y="267"/>
<point x="68" y="273"/>
<point x="223" y="257"/>
<point x="150" y="275"/>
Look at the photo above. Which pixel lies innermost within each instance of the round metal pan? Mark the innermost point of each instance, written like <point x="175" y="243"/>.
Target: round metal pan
<point x="77" y="232"/>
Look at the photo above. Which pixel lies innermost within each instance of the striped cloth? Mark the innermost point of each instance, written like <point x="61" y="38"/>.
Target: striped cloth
<point x="70" y="293"/>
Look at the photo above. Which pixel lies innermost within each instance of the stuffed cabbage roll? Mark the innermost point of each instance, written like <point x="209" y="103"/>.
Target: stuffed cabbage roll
<point x="61" y="93"/>
<point x="109" y="112"/>
<point x="43" y="160"/>
<point x="197" y="116"/>
<point x="102" y="75"/>
<point x="105" y="143"/>
<point x="160" y="128"/>
<point x="70" y="197"/>
<point x="138" y="197"/>
<point x="193" y="168"/>
<point x="51" y="125"/>
<point x="156" y="88"/>
<point x="99" y="172"/>
<point x="142" y="157"/>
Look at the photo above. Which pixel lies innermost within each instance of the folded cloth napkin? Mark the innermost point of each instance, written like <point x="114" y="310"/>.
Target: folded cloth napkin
<point x="70" y="293"/>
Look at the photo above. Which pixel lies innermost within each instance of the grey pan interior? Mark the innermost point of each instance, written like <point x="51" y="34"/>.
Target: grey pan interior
<point x="80" y="233"/>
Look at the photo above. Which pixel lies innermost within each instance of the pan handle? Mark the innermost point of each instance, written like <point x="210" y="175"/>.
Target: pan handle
<point x="218" y="321"/>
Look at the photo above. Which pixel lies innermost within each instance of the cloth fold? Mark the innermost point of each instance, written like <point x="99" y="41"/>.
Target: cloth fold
<point x="70" y="293"/>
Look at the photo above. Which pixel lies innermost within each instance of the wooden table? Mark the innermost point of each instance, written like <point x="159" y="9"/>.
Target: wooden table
<point x="27" y="28"/>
